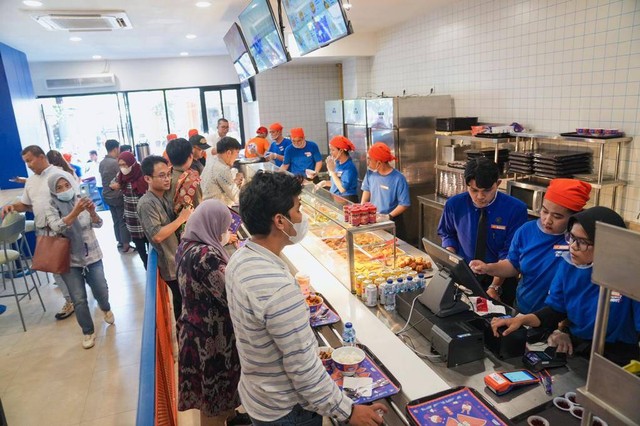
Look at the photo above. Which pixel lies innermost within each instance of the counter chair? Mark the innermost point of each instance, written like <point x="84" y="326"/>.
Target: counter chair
<point x="11" y="229"/>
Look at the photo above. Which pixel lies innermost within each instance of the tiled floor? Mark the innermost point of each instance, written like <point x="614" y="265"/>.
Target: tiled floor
<point x="47" y="378"/>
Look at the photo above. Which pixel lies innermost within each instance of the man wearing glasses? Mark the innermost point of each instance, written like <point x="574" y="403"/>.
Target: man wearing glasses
<point x="159" y="222"/>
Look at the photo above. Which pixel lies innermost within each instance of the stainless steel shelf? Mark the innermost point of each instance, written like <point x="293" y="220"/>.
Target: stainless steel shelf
<point x="467" y="138"/>
<point x="448" y="169"/>
<point x="605" y="183"/>
<point x="558" y="138"/>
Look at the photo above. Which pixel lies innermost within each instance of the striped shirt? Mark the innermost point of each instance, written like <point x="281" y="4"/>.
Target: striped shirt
<point x="278" y="350"/>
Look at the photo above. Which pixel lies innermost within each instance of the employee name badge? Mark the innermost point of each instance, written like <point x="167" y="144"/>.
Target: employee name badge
<point x="385" y="187"/>
<point x="559" y="249"/>
<point x="307" y="154"/>
<point x="616" y="297"/>
<point x="498" y="227"/>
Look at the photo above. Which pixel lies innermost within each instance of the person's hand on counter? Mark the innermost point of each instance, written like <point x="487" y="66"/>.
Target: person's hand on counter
<point x="561" y="341"/>
<point x="367" y="415"/>
<point x="512" y="325"/>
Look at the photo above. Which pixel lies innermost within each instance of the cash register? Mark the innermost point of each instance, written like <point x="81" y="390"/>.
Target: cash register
<point x="455" y="332"/>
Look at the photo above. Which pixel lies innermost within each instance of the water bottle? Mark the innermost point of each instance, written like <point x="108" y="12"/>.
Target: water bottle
<point x="421" y="281"/>
<point x="401" y="286"/>
<point x="382" y="291"/>
<point x="411" y="285"/>
<point x="349" y="335"/>
<point x="390" y="297"/>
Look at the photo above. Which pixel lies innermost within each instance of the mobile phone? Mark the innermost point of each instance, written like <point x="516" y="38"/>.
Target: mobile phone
<point x="84" y="192"/>
<point x="501" y="383"/>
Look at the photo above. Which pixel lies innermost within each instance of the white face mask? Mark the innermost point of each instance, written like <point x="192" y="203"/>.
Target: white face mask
<point x="125" y="170"/>
<point x="66" y="195"/>
<point x="301" y="229"/>
<point x="373" y="170"/>
<point x="224" y="240"/>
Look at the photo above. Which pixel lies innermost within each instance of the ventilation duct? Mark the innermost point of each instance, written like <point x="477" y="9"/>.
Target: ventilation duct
<point x="83" y="20"/>
<point x="83" y="82"/>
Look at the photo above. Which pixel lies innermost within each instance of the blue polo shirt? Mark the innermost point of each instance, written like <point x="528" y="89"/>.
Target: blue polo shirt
<point x="458" y="227"/>
<point x="300" y="159"/>
<point x="279" y="149"/>
<point x="573" y="293"/>
<point x="537" y="256"/>
<point x="348" y="175"/>
<point x="387" y="192"/>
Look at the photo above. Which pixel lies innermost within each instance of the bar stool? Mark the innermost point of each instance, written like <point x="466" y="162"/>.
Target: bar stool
<point x="11" y="229"/>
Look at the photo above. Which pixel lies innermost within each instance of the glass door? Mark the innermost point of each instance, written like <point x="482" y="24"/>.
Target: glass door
<point x="223" y="103"/>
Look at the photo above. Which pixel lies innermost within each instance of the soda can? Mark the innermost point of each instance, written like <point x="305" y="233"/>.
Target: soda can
<point x="371" y="295"/>
<point x="365" y="284"/>
<point x="359" y="286"/>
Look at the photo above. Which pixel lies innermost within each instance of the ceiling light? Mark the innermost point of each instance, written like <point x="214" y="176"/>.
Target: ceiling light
<point x="96" y="57"/>
<point x="32" y="3"/>
<point x="75" y="38"/>
<point x="191" y="36"/>
<point x="184" y="53"/>
<point x="347" y="5"/>
<point x="203" y="4"/>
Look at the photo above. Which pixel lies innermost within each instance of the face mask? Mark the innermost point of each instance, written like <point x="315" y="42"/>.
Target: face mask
<point x="225" y="238"/>
<point x="66" y="195"/>
<point x="125" y="170"/>
<point x="300" y="228"/>
<point x="373" y="170"/>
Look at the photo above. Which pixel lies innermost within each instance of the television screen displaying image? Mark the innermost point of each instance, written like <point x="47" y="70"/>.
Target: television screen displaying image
<point x="262" y="35"/>
<point x="237" y="48"/>
<point x="316" y="23"/>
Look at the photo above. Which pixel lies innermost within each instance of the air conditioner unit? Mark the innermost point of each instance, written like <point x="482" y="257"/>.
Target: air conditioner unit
<point x="83" y="82"/>
<point x="91" y="20"/>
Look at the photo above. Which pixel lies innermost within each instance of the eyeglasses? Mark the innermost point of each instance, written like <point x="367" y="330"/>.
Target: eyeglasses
<point x="162" y="176"/>
<point x="581" y="243"/>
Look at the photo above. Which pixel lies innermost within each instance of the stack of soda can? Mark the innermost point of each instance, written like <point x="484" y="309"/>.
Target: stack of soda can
<point x="360" y="214"/>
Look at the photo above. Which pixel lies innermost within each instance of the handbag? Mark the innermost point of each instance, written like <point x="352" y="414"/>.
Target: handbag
<point x="52" y="254"/>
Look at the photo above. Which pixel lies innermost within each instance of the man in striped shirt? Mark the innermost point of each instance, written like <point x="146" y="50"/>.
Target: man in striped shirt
<point x="283" y="381"/>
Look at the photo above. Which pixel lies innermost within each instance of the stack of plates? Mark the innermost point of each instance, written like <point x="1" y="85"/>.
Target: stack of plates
<point x="561" y="164"/>
<point x="521" y="162"/>
<point x="503" y="155"/>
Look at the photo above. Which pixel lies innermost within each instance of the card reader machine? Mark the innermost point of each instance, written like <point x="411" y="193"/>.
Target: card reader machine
<point x="549" y="358"/>
<point x="502" y="383"/>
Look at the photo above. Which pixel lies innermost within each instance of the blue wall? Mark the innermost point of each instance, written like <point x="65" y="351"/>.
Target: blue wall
<point x="18" y="114"/>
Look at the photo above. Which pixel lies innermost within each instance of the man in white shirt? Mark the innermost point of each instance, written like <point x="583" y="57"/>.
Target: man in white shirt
<point x="217" y="179"/>
<point x="222" y="129"/>
<point x="35" y="198"/>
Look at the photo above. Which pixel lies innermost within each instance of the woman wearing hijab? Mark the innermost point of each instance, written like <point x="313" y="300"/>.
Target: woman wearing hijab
<point x="537" y="246"/>
<point x="75" y="218"/>
<point x="574" y="296"/>
<point x="208" y="362"/>
<point x="130" y="180"/>
<point x="342" y="171"/>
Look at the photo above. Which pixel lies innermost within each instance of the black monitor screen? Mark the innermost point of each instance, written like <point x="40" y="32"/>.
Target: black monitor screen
<point x="316" y="23"/>
<point x="262" y="35"/>
<point x="237" y="48"/>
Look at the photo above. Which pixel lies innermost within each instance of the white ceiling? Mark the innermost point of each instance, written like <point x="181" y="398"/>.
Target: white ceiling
<point x="160" y="26"/>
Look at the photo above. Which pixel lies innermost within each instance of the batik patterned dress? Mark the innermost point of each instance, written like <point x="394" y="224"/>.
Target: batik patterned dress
<point x="208" y="362"/>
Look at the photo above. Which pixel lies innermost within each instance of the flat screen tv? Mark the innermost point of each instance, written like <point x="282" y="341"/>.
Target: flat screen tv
<point x="238" y="50"/>
<point x="262" y="35"/>
<point x="316" y="23"/>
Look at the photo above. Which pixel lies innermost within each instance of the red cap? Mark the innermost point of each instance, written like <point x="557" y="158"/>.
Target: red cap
<point x="381" y="152"/>
<point x="171" y="136"/>
<point x="342" y="142"/>
<point x="67" y="157"/>
<point x="193" y="132"/>
<point x="297" y="132"/>
<point x="276" y="127"/>
<point x="262" y="129"/>
<point x="571" y="194"/>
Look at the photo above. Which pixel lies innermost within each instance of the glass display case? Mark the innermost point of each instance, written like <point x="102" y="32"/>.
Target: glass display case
<point x="355" y="253"/>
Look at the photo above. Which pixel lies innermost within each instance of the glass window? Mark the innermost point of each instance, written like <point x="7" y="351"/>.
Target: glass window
<point x="149" y="119"/>
<point x="230" y="111"/>
<point x="183" y="107"/>
<point x="213" y="105"/>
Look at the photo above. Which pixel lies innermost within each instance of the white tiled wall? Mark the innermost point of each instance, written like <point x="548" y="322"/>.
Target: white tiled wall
<point x="356" y="74"/>
<point x="295" y="95"/>
<point x="551" y="65"/>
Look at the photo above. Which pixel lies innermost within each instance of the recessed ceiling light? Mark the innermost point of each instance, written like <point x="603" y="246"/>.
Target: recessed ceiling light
<point x="32" y="3"/>
<point x="96" y="57"/>
<point x="75" y="38"/>
<point x="184" y="53"/>
<point x="191" y="36"/>
<point x="203" y="4"/>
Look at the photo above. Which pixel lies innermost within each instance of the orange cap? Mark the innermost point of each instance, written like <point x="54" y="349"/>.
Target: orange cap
<point x="381" y="152"/>
<point x="297" y="132"/>
<point x="572" y="194"/>
<point x="276" y="127"/>
<point x="192" y="132"/>
<point x="342" y="142"/>
<point x="171" y="136"/>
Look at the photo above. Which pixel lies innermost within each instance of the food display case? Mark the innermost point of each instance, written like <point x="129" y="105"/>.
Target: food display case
<point x="355" y="253"/>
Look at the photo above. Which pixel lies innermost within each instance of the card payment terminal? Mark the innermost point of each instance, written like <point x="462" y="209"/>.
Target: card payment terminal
<point x="504" y="382"/>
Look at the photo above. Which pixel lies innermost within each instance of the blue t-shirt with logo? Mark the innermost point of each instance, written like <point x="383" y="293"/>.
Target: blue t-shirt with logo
<point x="387" y="192"/>
<point x="537" y="256"/>
<point x="279" y="148"/>
<point x="573" y="293"/>
<point x="348" y="175"/>
<point x="300" y="159"/>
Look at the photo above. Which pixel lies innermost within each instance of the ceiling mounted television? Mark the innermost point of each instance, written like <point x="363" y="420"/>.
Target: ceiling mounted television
<point x="263" y="37"/>
<point x="248" y="90"/>
<point x="316" y="23"/>
<point x="238" y="50"/>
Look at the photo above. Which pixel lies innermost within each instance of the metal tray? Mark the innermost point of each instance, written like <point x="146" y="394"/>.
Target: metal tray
<point x="590" y="136"/>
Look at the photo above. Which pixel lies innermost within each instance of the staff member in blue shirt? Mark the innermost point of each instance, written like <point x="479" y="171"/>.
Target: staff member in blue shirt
<point x="537" y="247"/>
<point x="301" y="155"/>
<point x="574" y="297"/>
<point x="275" y="152"/>
<point x="385" y="186"/>
<point x="342" y="171"/>
<point x="480" y="223"/>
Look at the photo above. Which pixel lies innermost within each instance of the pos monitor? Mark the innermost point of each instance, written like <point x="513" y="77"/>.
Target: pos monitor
<point x="443" y="295"/>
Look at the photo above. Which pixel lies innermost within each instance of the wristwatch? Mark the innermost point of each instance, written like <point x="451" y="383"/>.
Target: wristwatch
<point x="496" y="288"/>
